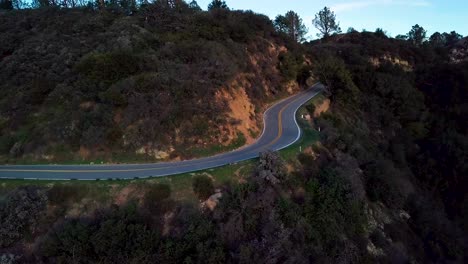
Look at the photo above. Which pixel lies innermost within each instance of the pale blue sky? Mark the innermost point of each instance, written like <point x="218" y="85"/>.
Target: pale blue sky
<point x="394" y="16"/>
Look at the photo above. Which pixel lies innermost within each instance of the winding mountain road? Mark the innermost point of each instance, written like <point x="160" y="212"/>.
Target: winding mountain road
<point x="280" y="131"/>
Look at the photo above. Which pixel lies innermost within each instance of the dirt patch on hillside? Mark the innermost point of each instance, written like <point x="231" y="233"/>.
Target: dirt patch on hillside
<point x="242" y="114"/>
<point x="84" y="153"/>
<point x="128" y="193"/>
<point x="393" y="60"/>
<point x="322" y="107"/>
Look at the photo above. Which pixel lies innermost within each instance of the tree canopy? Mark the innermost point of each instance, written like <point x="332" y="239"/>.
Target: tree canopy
<point x="194" y="5"/>
<point x="6" y="4"/>
<point x="291" y="24"/>
<point x="417" y="35"/>
<point x="437" y="40"/>
<point x="217" y="4"/>
<point x="325" y="22"/>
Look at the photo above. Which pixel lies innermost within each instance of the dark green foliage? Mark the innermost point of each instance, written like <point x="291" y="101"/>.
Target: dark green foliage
<point x="290" y="65"/>
<point x="381" y="184"/>
<point x="194" y="241"/>
<point x="305" y="72"/>
<point x="333" y="73"/>
<point x="451" y="38"/>
<point x="417" y="35"/>
<point x="291" y="25"/>
<point x="442" y="239"/>
<point x="379" y="32"/>
<point x="406" y="131"/>
<point x="194" y="5"/>
<point x="114" y="235"/>
<point x="325" y="22"/>
<point x="6" y="143"/>
<point x="125" y="235"/>
<point x="20" y="213"/>
<point x="311" y="109"/>
<point x="437" y="40"/>
<point x="217" y="4"/>
<point x="6" y="4"/>
<point x="60" y="194"/>
<point x="315" y="224"/>
<point x="109" y="66"/>
<point x="157" y="198"/>
<point x="203" y="186"/>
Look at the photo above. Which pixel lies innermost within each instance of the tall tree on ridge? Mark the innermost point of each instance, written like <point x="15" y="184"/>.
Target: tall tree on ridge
<point x="291" y="24"/>
<point x="194" y="5"/>
<point x="217" y="4"/>
<point x="325" y="22"/>
<point x="417" y="35"/>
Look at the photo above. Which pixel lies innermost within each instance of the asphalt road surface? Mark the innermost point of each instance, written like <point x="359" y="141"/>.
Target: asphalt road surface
<point x="280" y="131"/>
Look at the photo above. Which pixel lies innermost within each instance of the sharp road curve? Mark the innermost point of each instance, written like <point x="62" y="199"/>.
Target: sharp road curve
<point x="280" y="131"/>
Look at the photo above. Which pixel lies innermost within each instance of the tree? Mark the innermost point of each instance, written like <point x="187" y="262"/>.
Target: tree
<point x="194" y="5"/>
<point x="203" y="186"/>
<point x="6" y="4"/>
<point x="42" y="3"/>
<point x="351" y="30"/>
<point x="157" y="198"/>
<point x="380" y="33"/>
<point x="170" y="4"/>
<point x="437" y="40"/>
<point x="401" y="37"/>
<point x="325" y="22"/>
<point x="291" y="24"/>
<point x="289" y="65"/>
<point x="332" y="72"/>
<point x="452" y="38"/>
<point x="217" y="4"/>
<point x="417" y="35"/>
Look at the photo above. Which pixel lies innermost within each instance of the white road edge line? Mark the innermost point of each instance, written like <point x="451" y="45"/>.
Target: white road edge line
<point x="207" y="168"/>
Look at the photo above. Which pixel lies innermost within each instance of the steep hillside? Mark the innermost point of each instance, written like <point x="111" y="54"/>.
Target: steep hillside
<point x="164" y="83"/>
<point x="398" y="133"/>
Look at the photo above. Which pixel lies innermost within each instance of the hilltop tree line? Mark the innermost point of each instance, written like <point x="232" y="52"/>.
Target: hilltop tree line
<point x="129" y="5"/>
<point x="291" y="24"/>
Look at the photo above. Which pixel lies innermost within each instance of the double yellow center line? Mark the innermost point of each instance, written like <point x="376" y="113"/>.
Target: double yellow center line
<point x="280" y="133"/>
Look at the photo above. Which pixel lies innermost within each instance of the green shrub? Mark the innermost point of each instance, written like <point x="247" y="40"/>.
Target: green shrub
<point x="6" y="142"/>
<point x="289" y="65"/>
<point x="108" y="67"/>
<point x="60" y="193"/>
<point x="310" y="108"/>
<point x="203" y="186"/>
<point x="114" y="97"/>
<point x="157" y="192"/>
<point x="157" y="198"/>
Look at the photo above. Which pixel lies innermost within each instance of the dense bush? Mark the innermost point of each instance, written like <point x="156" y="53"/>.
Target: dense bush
<point x="20" y="214"/>
<point x="109" y="66"/>
<point x="157" y="198"/>
<point x="60" y="194"/>
<point x="202" y="185"/>
<point x="115" y="235"/>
